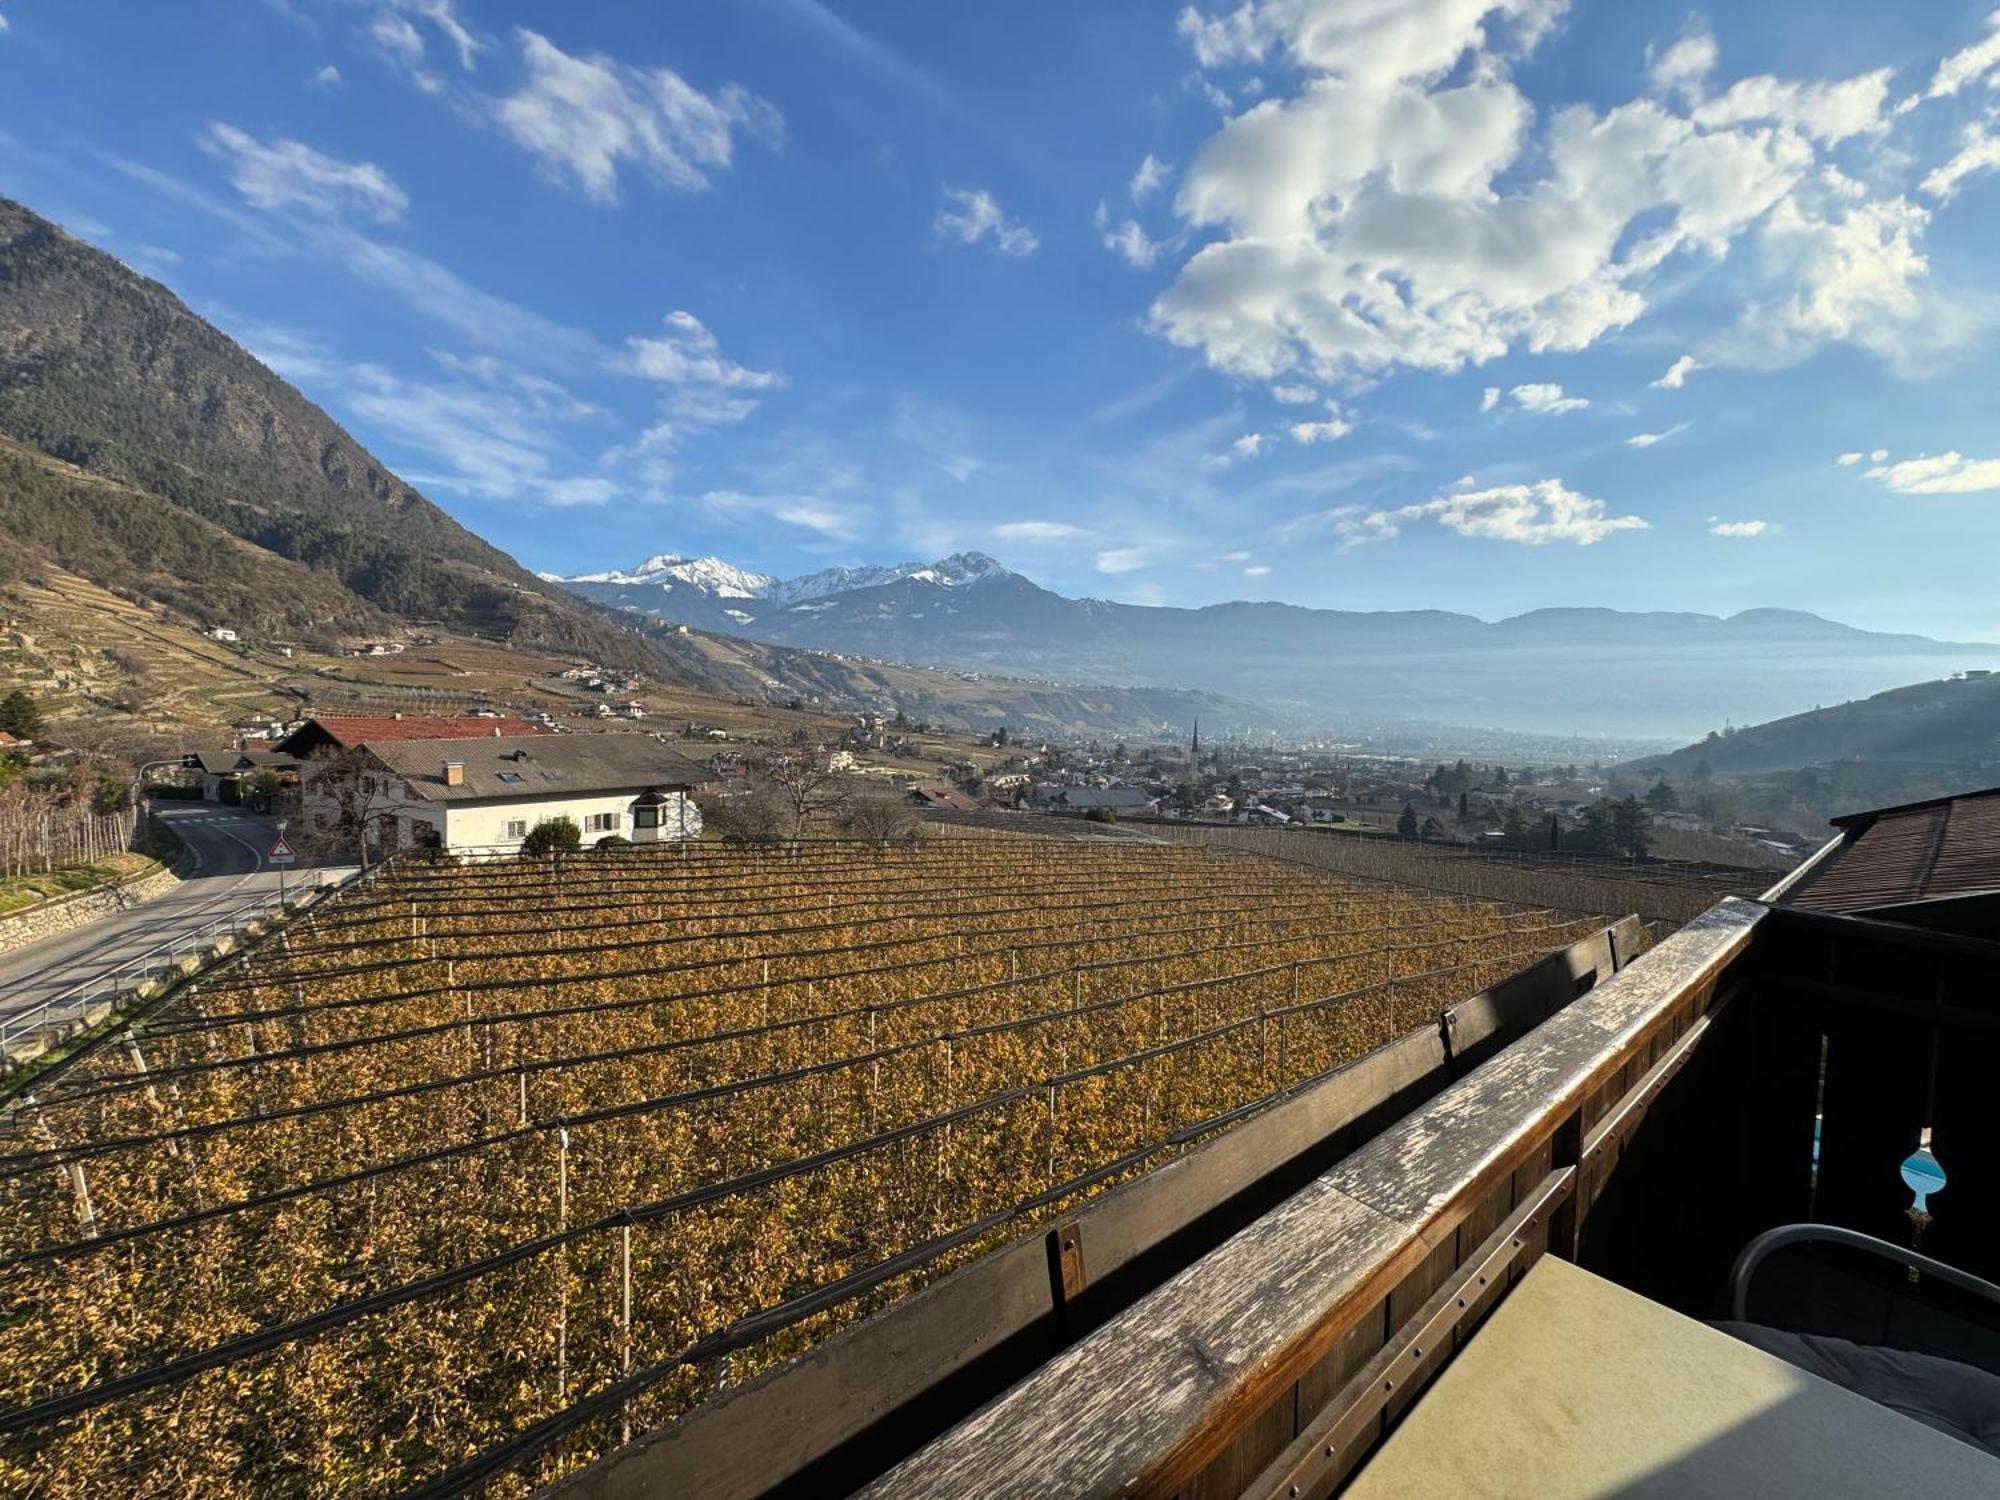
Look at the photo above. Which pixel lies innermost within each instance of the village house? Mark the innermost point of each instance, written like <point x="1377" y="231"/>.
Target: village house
<point x="330" y="733"/>
<point x="484" y="795"/>
<point x="1116" y="798"/>
<point x="225" y="774"/>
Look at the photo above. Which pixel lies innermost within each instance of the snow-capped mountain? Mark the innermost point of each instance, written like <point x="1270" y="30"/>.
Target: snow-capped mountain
<point x="1649" y="674"/>
<point x="708" y="592"/>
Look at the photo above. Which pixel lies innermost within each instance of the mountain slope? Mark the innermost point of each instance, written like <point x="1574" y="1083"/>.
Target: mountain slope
<point x="110" y="373"/>
<point x="1954" y="723"/>
<point x="1561" y="670"/>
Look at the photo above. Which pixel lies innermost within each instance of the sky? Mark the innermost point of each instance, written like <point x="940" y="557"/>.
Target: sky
<point x="1369" y="304"/>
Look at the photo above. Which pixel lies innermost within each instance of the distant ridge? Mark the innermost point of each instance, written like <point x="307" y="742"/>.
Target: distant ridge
<point x="1659" y="674"/>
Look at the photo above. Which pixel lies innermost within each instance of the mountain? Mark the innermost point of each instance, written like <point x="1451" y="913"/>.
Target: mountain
<point x="1943" y="725"/>
<point x="1653" y="674"/>
<point x="150" y="451"/>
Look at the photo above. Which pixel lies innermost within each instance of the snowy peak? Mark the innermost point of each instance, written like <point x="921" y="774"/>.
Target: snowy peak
<point x="718" y="579"/>
<point x="708" y="575"/>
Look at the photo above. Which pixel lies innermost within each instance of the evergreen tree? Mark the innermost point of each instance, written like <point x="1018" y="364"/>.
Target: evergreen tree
<point x="1596" y="836"/>
<point x="1555" y="833"/>
<point x="1514" y="827"/>
<point x="1631" y="827"/>
<point x="1464" y="807"/>
<point x="20" y="715"/>
<point x="1661" y="796"/>
<point x="1406" y="825"/>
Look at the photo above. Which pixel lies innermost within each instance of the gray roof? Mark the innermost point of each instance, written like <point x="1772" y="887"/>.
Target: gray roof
<point x="1107" y="796"/>
<point x="538" y="765"/>
<point x="223" y="762"/>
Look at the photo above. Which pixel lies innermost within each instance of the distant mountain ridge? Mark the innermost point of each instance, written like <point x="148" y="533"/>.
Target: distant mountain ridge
<point x="1657" y="673"/>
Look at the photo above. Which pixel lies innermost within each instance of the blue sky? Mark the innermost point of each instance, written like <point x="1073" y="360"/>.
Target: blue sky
<point x="1358" y="303"/>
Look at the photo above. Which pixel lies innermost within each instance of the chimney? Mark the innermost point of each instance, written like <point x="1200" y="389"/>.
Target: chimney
<point x="454" y="773"/>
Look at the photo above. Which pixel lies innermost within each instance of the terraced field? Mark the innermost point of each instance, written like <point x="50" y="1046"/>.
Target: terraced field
<point x="479" y="1169"/>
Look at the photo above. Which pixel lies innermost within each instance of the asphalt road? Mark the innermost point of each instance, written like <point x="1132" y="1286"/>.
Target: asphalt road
<point x="232" y="843"/>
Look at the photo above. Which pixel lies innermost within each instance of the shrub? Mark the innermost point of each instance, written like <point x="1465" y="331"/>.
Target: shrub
<point x="614" y="841"/>
<point x="1101" y="815"/>
<point x="552" y="834"/>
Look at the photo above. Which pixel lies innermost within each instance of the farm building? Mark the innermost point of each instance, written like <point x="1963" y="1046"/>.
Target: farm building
<point x="1116" y="798"/>
<point x="487" y="794"/>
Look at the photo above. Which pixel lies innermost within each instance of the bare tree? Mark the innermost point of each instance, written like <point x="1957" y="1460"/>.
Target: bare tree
<point x="804" y="784"/>
<point x="342" y="792"/>
<point x="881" y="815"/>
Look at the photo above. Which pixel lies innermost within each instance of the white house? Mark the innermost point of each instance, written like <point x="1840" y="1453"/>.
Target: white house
<point x="221" y="633"/>
<point x="484" y="795"/>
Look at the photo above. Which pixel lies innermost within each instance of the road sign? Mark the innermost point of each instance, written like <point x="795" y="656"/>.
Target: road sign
<point x="281" y="852"/>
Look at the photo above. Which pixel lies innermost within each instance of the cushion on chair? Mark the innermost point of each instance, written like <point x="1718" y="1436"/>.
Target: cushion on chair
<point x="1955" y="1398"/>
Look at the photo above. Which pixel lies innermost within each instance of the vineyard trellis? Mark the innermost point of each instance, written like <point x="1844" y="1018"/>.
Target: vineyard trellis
<point x="475" y="1171"/>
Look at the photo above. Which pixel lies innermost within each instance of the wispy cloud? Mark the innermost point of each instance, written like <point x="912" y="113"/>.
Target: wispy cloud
<point x="1719" y="527"/>
<point x="1944" y="474"/>
<point x="1677" y="373"/>
<point x="972" y="216"/>
<point x="1647" y="439"/>
<point x="289" y="174"/>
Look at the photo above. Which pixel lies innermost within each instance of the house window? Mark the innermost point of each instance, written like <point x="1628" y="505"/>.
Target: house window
<point x="645" y="817"/>
<point x="517" y="828"/>
<point x="600" y="822"/>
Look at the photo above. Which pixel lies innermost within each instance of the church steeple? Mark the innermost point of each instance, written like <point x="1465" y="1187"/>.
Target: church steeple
<point x="1194" y="748"/>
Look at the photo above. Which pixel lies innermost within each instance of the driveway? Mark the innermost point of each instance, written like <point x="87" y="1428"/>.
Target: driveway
<point x="232" y="843"/>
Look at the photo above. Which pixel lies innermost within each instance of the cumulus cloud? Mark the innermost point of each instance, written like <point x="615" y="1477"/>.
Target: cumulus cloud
<point x="584" y="119"/>
<point x="1294" y="395"/>
<point x="1321" y="432"/>
<point x="1677" y="373"/>
<point x="327" y="77"/>
<point x="1647" y="439"/>
<point x="1127" y="239"/>
<point x="1980" y="153"/>
<point x="1146" y="181"/>
<point x="972" y="216"/>
<point x="1944" y="474"/>
<point x="1719" y="527"/>
<point x="289" y="174"/>
<point x="1683" y="67"/>
<point x="1546" y="400"/>
<point x="1849" y="460"/>
<point x="1406" y="206"/>
<point x="1489" y="398"/>
<point x="1249" y="445"/>
<point x="1531" y="514"/>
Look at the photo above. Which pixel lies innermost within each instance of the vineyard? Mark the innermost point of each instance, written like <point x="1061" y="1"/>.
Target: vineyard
<point x="474" y="1172"/>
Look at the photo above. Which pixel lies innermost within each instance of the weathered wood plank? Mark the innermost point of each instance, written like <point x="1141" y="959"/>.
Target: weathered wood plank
<point x="1144" y="1402"/>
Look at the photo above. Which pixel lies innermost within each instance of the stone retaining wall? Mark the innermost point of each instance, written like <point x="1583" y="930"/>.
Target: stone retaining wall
<point x="59" y="916"/>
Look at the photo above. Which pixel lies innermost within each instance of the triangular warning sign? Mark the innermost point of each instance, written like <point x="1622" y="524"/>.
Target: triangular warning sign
<point x="281" y="849"/>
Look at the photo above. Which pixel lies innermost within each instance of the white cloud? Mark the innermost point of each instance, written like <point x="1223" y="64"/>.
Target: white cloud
<point x="1408" y="207"/>
<point x="1321" y="432"/>
<point x="286" y="174"/>
<point x="1294" y="395"/>
<point x="1824" y="111"/>
<point x="1531" y="514"/>
<point x="3" y="23"/>
<point x="1235" y="557"/>
<point x="1127" y="239"/>
<point x="1980" y="153"/>
<point x="1945" y="474"/>
<point x="707" y="389"/>
<point x="1849" y="460"/>
<point x="1038" y="533"/>
<point x="1546" y="400"/>
<point x="1261" y="570"/>
<point x="1647" y="439"/>
<point x="1737" y="528"/>
<point x="401" y="46"/>
<point x="585" y="118"/>
<point x="1684" y="66"/>
<point x="1489" y="398"/>
<point x="972" y="215"/>
<point x="1878" y="456"/>
<point x="327" y="77"/>
<point x="1146" y="181"/>
<point x="1677" y="373"/>
<point x="1249" y="445"/>
<point x="1118" y="560"/>
<point x="812" y="513"/>
<point x="1968" y="66"/>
